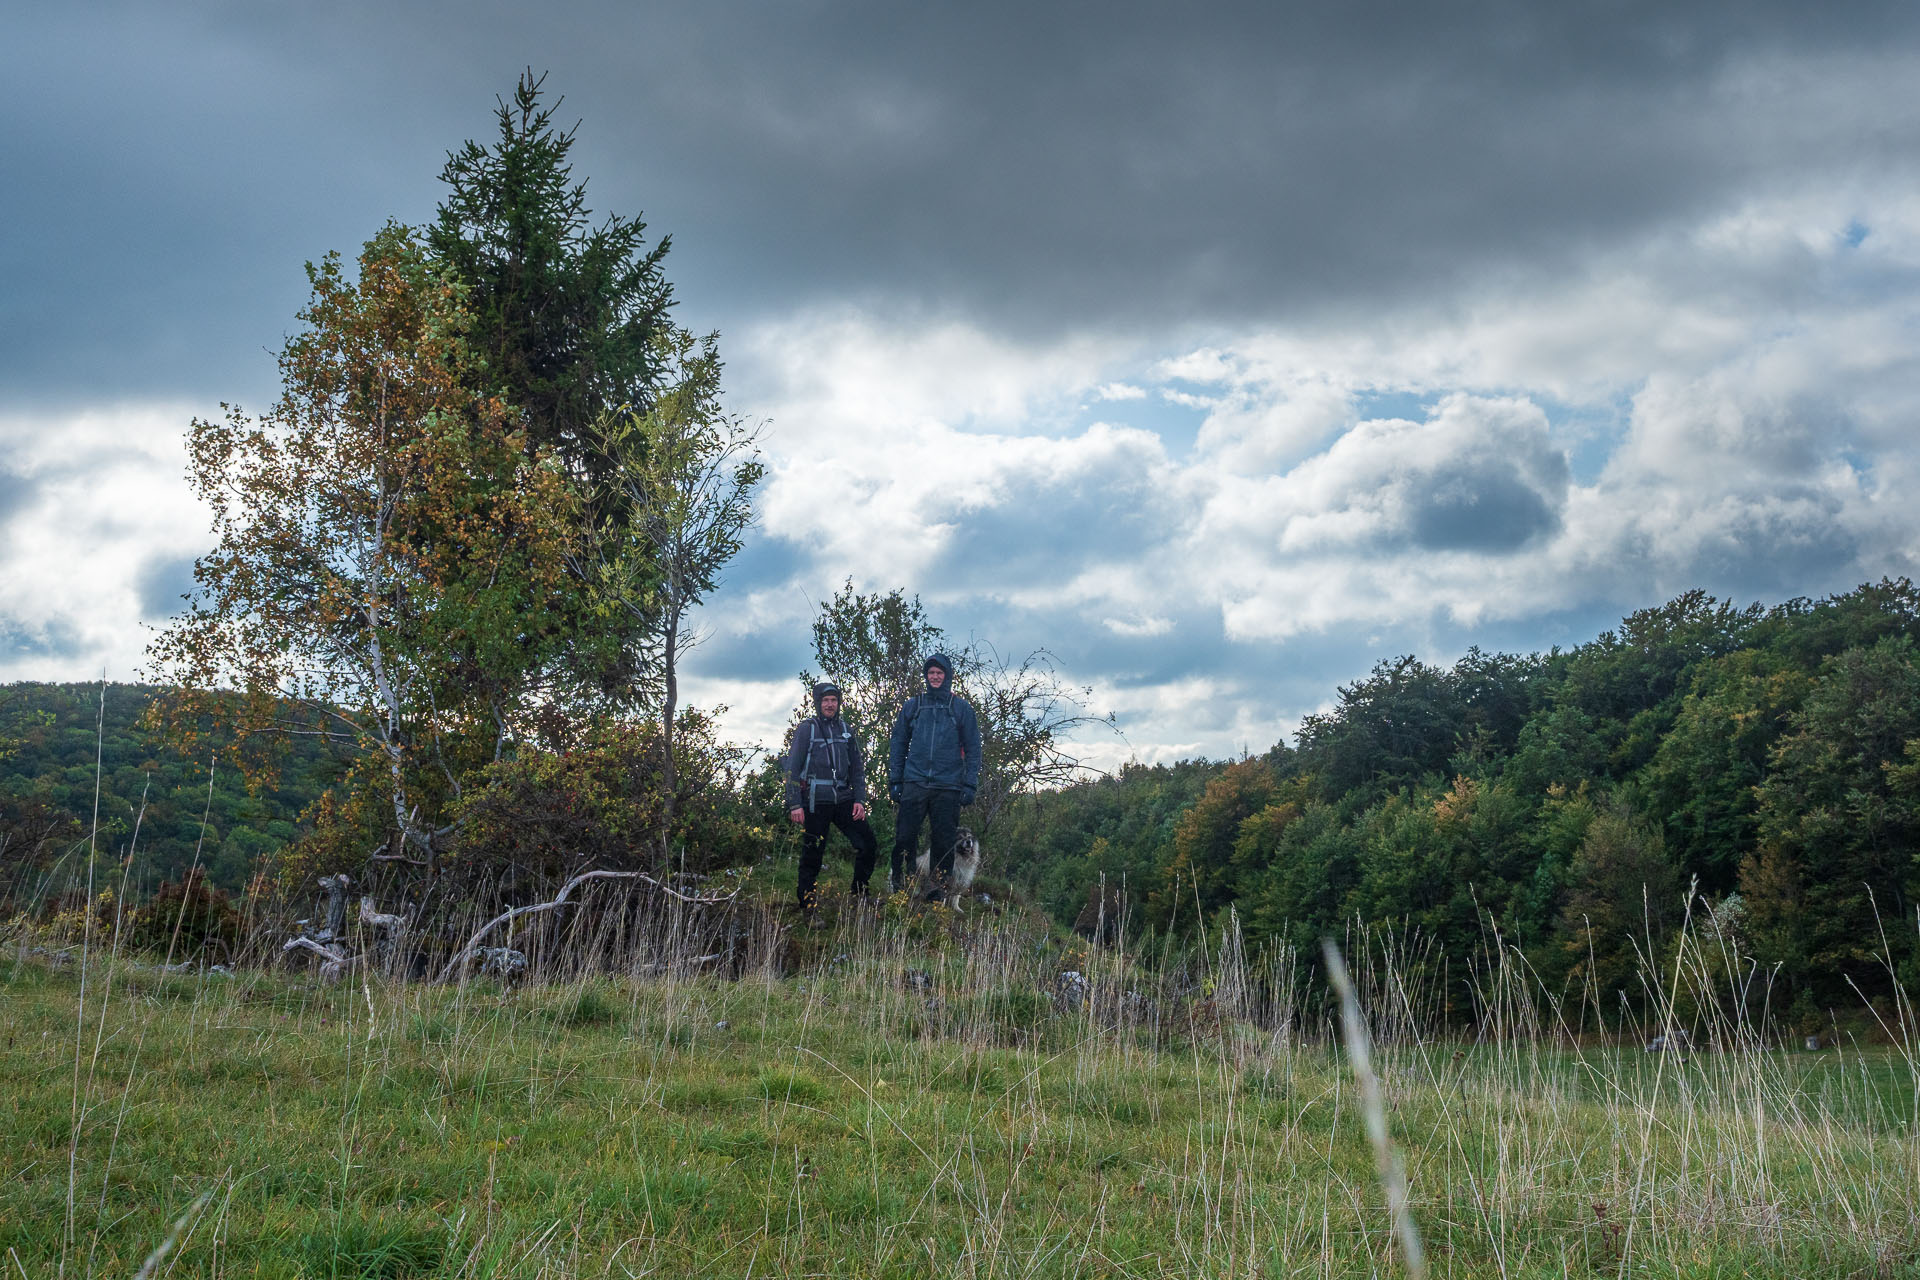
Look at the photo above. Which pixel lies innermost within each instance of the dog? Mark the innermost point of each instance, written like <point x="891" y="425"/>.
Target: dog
<point x="966" y="865"/>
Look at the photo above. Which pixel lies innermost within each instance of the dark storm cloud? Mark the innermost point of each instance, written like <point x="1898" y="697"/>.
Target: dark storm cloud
<point x="1049" y="167"/>
<point x="1479" y="475"/>
<point x="1056" y="163"/>
<point x="766" y="560"/>
<point x="1489" y="510"/>
<point x="753" y="655"/>
<point x="1791" y="540"/>
<point x="1253" y="691"/>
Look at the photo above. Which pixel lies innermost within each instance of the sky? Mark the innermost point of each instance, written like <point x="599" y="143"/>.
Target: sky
<point x="1219" y="351"/>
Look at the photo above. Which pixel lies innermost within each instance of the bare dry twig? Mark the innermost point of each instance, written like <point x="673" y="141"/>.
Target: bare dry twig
<point x="1373" y="1108"/>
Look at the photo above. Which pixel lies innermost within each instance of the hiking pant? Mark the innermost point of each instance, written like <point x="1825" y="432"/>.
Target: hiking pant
<point x="866" y="846"/>
<point x="919" y="804"/>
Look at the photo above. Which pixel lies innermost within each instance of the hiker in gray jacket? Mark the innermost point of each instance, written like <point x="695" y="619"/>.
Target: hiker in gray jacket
<point x="933" y="767"/>
<point x="827" y="787"/>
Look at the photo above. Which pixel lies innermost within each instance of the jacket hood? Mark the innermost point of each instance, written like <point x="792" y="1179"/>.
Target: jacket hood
<point x="824" y="688"/>
<point x="941" y="661"/>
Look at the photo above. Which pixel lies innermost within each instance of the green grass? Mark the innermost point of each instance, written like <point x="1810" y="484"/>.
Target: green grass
<point x="854" y="1120"/>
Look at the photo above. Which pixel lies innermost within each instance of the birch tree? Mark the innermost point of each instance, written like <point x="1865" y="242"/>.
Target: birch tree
<point x="681" y="500"/>
<point x="389" y="548"/>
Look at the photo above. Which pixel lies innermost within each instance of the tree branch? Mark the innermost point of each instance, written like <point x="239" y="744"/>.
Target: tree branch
<point x="560" y="900"/>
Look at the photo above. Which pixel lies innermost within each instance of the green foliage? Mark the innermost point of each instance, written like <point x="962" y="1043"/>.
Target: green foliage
<point x="1839" y="825"/>
<point x="381" y="1246"/>
<point x="496" y="480"/>
<point x="1120" y="827"/>
<point x="47" y="793"/>
<point x="544" y="816"/>
<point x="588" y="1005"/>
<point x="1313" y="869"/>
<point x="669" y="517"/>
<point x="1701" y="782"/>
<point x="1566" y="804"/>
<point x="1623" y="901"/>
<point x="1204" y="872"/>
<point x="388" y="542"/>
<point x="1399" y="725"/>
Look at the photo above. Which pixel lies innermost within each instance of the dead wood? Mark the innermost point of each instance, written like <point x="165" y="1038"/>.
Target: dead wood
<point x="467" y="952"/>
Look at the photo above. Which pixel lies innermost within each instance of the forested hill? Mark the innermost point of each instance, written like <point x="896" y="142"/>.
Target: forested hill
<point x="1768" y="756"/>
<point x="49" y="735"/>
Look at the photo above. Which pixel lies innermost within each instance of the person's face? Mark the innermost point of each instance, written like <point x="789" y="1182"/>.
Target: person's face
<point x="935" y="677"/>
<point x="830" y="705"/>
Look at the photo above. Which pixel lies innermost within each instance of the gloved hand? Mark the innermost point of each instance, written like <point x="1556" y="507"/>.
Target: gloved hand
<point x="893" y="789"/>
<point x="966" y="796"/>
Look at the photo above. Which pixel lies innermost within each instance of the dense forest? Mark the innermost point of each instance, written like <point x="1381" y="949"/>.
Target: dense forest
<point x="51" y="736"/>
<point x="1756" y="767"/>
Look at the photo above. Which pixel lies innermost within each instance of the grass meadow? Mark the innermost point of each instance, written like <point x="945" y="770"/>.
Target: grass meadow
<point x="913" y="1094"/>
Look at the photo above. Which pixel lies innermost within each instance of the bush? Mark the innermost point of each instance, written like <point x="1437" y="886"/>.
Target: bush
<point x="546" y="815"/>
<point x="187" y="919"/>
<point x="531" y="823"/>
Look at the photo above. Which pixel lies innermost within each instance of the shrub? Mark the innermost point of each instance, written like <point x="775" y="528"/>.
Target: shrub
<point x="185" y="919"/>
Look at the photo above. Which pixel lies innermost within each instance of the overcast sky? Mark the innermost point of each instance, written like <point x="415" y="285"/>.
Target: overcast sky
<point x="1220" y="352"/>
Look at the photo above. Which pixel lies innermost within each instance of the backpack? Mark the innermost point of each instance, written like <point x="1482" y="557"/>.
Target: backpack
<point x="829" y="763"/>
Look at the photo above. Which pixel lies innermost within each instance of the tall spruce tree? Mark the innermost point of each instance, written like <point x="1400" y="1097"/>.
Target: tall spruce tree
<point x="571" y="329"/>
<point x="565" y="314"/>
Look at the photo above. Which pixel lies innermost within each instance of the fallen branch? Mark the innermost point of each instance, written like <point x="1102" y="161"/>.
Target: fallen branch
<point x="371" y="916"/>
<point x="385" y="852"/>
<point x="325" y="953"/>
<point x="332" y="963"/>
<point x="560" y="900"/>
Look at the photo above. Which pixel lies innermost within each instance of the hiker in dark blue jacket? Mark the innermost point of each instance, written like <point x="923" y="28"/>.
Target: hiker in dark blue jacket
<point x="827" y="787"/>
<point x="933" y="766"/>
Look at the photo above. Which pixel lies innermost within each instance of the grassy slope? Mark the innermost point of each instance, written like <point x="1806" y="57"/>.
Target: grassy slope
<point x="864" y="1120"/>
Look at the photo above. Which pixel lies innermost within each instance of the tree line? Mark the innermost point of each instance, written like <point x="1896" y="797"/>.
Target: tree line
<point x="1757" y="768"/>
